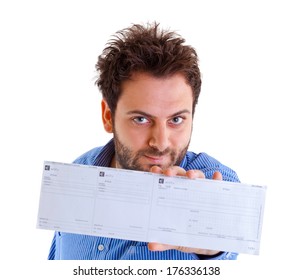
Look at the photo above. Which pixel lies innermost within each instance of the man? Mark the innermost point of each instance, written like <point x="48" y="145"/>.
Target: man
<point x="150" y="83"/>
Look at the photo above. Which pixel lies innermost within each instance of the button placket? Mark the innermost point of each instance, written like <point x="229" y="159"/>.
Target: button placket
<point x="100" y="247"/>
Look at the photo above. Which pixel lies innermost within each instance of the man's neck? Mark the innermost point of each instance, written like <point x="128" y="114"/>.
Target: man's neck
<point x="113" y="162"/>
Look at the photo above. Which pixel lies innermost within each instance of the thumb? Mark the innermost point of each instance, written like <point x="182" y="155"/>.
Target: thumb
<point x="152" y="246"/>
<point x="217" y="176"/>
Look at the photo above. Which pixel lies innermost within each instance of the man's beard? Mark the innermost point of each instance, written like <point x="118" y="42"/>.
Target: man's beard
<point x="127" y="159"/>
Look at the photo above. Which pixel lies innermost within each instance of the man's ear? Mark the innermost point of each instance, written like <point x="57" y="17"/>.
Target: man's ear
<point x="106" y="117"/>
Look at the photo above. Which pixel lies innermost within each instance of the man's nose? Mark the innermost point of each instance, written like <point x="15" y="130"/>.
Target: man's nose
<point x="159" y="137"/>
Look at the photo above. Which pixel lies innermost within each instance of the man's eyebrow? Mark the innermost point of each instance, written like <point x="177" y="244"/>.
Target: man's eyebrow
<point x="138" y="112"/>
<point x="185" y="111"/>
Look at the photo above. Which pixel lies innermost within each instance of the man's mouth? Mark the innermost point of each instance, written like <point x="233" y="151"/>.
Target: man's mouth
<point x="159" y="160"/>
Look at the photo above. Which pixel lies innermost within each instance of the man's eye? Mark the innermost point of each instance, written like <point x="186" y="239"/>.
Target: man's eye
<point x="176" y="120"/>
<point x="140" y="120"/>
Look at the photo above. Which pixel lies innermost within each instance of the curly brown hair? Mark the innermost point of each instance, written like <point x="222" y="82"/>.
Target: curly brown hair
<point x="145" y="49"/>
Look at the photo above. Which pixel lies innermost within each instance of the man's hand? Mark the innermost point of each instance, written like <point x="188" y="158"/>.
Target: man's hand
<point x="191" y="174"/>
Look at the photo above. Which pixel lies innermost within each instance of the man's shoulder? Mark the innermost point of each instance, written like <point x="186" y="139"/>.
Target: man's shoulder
<point x="89" y="157"/>
<point x="208" y="164"/>
<point x="201" y="159"/>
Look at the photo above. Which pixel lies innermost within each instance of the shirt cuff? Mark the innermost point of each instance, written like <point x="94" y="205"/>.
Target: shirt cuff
<point x="219" y="256"/>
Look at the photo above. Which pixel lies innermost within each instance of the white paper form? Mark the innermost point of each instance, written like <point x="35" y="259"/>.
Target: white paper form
<point x="143" y="206"/>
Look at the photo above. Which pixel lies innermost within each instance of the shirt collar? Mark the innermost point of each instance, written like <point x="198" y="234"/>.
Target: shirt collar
<point x="106" y="154"/>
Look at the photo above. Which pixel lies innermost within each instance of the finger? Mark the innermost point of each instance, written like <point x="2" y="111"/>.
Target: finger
<point x="174" y="171"/>
<point x="152" y="246"/>
<point x="179" y="171"/>
<point x="156" y="169"/>
<point x="217" y="176"/>
<point x="164" y="247"/>
<point x="195" y="174"/>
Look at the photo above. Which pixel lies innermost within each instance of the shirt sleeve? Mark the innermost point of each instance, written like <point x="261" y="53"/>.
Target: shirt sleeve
<point x="52" y="252"/>
<point x="219" y="256"/>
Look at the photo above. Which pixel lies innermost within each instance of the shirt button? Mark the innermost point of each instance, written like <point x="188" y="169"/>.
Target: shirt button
<point x="100" y="247"/>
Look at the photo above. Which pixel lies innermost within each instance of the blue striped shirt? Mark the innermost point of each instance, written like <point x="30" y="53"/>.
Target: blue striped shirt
<point x="68" y="246"/>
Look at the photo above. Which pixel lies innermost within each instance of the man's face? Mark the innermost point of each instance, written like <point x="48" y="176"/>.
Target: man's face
<point x="152" y="123"/>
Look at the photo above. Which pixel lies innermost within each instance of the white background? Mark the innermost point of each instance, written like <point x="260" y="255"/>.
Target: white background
<point x="50" y="107"/>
